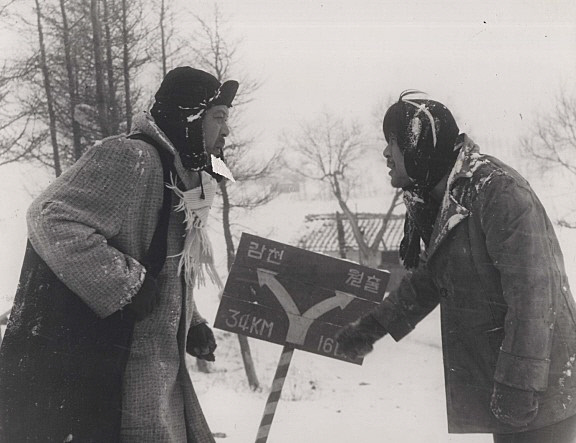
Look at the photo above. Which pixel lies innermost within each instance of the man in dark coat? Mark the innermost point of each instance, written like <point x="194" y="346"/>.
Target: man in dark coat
<point x="94" y="227"/>
<point x="492" y="262"/>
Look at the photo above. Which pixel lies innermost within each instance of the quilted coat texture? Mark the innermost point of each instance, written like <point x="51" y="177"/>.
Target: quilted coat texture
<point x="507" y="314"/>
<point x="92" y="226"/>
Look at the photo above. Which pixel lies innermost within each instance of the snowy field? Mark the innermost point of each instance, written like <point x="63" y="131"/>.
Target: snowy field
<point x="396" y="396"/>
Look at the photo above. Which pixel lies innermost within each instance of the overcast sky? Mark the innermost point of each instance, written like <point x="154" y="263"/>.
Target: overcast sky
<point x="494" y="63"/>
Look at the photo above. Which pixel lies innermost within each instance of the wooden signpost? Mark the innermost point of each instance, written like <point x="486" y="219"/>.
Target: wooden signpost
<point x="296" y="298"/>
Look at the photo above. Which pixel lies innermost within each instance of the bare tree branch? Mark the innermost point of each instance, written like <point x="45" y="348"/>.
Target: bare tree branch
<point x="327" y="150"/>
<point x="553" y="140"/>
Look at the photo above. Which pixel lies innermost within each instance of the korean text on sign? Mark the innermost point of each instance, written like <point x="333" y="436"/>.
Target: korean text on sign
<point x="356" y="279"/>
<point x="261" y="252"/>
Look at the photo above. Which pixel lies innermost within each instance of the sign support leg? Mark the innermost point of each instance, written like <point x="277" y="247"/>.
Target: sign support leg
<point x="275" y="392"/>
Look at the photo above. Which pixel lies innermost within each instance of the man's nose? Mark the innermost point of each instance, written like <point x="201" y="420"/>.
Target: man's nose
<point x="386" y="152"/>
<point x="225" y="130"/>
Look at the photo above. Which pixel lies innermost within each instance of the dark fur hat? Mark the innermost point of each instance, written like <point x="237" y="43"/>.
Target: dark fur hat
<point x="187" y="87"/>
<point x="181" y="101"/>
<point x="426" y="133"/>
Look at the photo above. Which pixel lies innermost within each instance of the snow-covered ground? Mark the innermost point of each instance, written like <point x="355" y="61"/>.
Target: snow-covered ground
<point x="396" y="396"/>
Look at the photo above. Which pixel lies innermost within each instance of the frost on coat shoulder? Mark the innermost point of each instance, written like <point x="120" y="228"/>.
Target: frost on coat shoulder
<point x="495" y="267"/>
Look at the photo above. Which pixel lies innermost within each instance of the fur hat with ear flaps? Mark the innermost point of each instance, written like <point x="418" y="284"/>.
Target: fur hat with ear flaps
<point x="426" y="133"/>
<point x="180" y="103"/>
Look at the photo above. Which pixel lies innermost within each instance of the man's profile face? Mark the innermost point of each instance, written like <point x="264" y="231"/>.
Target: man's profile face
<point x="215" y="125"/>
<point x="395" y="161"/>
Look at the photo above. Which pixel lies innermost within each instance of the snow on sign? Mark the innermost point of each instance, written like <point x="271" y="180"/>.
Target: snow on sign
<point x="290" y="296"/>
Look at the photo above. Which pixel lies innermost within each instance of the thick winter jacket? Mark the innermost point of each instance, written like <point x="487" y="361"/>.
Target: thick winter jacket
<point x="93" y="226"/>
<point x="495" y="267"/>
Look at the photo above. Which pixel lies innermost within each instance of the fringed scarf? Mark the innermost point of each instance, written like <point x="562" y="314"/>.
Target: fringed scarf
<point x="196" y="258"/>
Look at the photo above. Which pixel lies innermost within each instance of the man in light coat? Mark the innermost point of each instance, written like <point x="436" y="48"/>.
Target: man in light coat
<point x="93" y="227"/>
<point x="492" y="262"/>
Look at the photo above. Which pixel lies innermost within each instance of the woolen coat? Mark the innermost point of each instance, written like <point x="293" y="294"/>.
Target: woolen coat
<point x="92" y="226"/>
<point x="495" y="267"/>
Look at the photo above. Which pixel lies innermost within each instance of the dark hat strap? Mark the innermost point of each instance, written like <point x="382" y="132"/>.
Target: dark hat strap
<point x="421" y="213"/>
<point x="158" y="248"/>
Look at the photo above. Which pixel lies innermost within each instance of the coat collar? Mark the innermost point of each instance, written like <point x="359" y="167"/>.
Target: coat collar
<point x="452" y="212"/>
<point x="143" y="122"/>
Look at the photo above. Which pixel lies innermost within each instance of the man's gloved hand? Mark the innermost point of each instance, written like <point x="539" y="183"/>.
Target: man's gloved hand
<point x="357" y="339"/>
<point x="201" y="342"/>
<point x="145" y="300"/>
<point x="512" y="406"/>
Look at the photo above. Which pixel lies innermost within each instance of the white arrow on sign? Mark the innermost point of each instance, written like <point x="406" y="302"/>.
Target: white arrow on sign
<point x="268" y="278"/>
<point x="300" y="323"/>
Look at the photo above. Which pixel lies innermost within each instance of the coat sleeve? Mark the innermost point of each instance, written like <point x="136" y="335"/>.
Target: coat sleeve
<point x="196" y="316"/>
<point x="414" y="299"/>
<point x="518" y="240"/>
<point x="70" y="223"/>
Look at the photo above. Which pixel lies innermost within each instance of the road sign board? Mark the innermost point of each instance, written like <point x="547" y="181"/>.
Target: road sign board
<point x="287" y="295"/>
